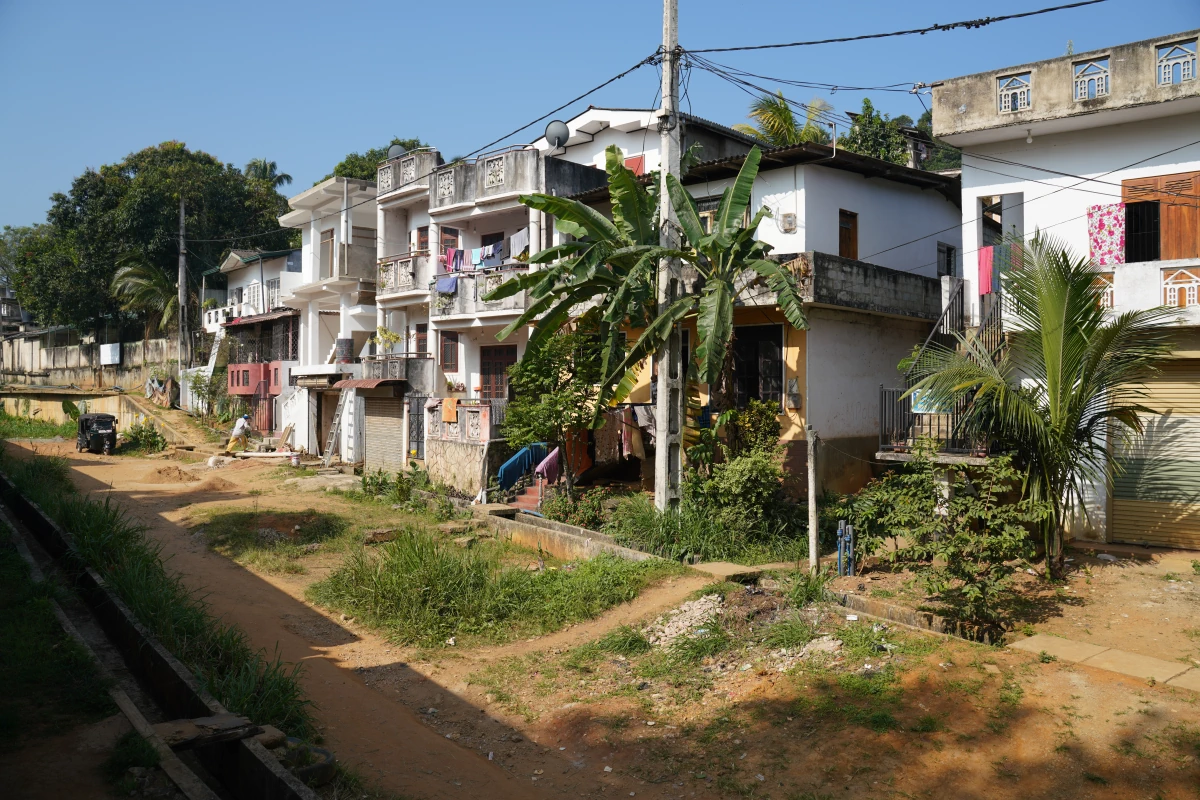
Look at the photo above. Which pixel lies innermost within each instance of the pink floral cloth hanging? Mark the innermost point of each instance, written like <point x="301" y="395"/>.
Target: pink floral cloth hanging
<point x="1106" y="234"/>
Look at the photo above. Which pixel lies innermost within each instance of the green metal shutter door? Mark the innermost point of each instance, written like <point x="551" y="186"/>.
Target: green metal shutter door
<point x="1156" y="498"/>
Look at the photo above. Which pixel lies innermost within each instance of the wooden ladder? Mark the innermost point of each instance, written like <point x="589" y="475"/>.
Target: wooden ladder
<point x="334" y="427"/>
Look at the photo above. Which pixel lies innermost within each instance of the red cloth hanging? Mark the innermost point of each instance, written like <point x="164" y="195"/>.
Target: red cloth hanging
<point x="985" y="270"/>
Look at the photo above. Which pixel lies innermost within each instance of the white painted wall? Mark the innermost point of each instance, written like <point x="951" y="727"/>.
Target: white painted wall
<point x="1058" y="205"/>
<point x="849" y="356"/>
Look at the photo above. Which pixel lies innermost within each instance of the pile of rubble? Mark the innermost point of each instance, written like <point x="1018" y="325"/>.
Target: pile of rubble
<point x="687" y="620"/>
<point x="822" y="646"/>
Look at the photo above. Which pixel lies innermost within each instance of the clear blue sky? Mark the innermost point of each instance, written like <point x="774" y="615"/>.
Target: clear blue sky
<point x="303" y="83"/>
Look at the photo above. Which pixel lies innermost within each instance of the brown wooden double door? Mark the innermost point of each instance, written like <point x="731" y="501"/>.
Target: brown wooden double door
<point x="493" y="370"/>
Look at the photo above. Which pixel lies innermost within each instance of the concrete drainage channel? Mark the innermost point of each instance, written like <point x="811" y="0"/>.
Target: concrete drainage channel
<point x="243" y="767"/>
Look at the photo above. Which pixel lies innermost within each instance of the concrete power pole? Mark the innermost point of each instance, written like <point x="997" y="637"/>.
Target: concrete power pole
<point x="814" y="555"/>
<point x="182" y="289"/>
<point x="669" y="412"/>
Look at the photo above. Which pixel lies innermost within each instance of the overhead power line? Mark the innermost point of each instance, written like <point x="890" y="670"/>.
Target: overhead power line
<point x="966" y="24"/>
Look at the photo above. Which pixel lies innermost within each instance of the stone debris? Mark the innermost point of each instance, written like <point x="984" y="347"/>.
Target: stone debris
<point x="687" y="620"/>
<point x="1106" y="557"/>
<point x="379" y="536"/>
<point x="821" y="646"/>
<point x="465" y="542"/>
<point x="270" y="535"/>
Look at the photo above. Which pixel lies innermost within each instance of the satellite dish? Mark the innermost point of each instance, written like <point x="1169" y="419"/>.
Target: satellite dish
<point x="557" y="133"/>
<point x="395" y="151"/>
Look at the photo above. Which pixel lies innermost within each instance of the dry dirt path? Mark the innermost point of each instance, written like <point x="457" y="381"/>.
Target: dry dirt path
<point x="351" y="674"/>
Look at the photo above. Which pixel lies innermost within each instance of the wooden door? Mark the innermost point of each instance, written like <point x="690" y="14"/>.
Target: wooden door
<point x="493" y="370"/>
<point x="1178" y="198"/>
<point x="847" y="234"/>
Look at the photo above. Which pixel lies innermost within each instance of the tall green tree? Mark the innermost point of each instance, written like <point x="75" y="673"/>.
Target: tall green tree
<point x="365" y="166"/>
<point x="876" y="135"/>
<point x="943" y="156"/>
<point x="776" y="125"/>
<point x="131" y="208"/>
<point x="1067" y="380"/>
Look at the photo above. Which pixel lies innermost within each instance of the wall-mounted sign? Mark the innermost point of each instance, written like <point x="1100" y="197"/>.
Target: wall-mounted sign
<point x="110" y="354"/>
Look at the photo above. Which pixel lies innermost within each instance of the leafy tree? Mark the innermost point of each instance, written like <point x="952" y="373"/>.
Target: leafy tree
<point x="259" y="169"/>
<point x="776" y="125"/>
<point x="876" y="135"/>
<point x="1064" y="385"/>
<point x="555" y="390"/>
<point x="64" y="273"/>
<point x="942" y="156"/>
<point x="365" y="166"/>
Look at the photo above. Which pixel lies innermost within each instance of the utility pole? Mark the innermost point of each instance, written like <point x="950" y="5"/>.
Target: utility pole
<point x="182" y="313"/>
<point x="669" y="412"/>
<point x="814" y="560"/>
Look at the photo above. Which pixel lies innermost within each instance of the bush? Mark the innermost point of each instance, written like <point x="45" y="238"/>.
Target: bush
<point x="588" y="510"/>
<point x="424" y="591"/>
<point x="964" y="547"/>
<point x="754" y="428"/>
<point x="13" y="427"/>
<point x="219" y="654"/>
<point x="145" y="439"/>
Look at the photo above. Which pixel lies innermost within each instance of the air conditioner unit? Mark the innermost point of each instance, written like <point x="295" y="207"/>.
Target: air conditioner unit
<point x="787" y="223"/>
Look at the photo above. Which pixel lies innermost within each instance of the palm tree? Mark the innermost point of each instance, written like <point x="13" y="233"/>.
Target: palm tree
<point x="143" y="288"/>
<point x="1065" y="383"/>
<point x="259" y="169"/>
<point x="776" y="125"/>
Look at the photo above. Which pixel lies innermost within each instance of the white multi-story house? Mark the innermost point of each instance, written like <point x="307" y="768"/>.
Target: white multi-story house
<point x="334" y="298"/>
<point x="846" y="207"/>
<point x="1101" y="149"/>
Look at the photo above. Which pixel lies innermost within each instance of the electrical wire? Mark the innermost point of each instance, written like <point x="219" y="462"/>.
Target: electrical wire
<point x="994" y="159"/>
<point x="832" y="88"/>
<point x="967" y="24"/>
<point x="656" y="57"/>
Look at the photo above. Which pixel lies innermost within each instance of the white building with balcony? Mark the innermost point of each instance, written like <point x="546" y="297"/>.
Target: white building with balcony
<point x="1101" y="149"/>
<point x="334" y="297"/>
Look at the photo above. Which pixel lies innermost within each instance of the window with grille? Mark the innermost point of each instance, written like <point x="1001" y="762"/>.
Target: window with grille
<point x="758" y="363"/>
<point x="272" y="294"/>
<point x="1180" y="287"/>
<point x="1015" y="92"/>
<point x="1091" y="79"/>
<point x="422" y="337"/>
<point x="1104" y="282"/>
<point x="449" y="351"/>
<point x="1176" y="63"/>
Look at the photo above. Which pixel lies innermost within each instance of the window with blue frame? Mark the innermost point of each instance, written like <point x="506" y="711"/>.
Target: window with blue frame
<point x="1015" y="92"/>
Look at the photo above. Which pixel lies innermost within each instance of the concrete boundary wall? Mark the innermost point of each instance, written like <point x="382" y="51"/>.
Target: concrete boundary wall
<point x="246" y="769"/>
<point x="559" y="540"/>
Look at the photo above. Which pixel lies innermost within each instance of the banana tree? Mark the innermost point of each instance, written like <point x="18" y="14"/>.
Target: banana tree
<point x="609" y="262"/>
<point x="724" y="257"/>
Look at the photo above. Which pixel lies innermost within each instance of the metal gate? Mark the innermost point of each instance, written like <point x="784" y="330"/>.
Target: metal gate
<point x="416" y="425"/>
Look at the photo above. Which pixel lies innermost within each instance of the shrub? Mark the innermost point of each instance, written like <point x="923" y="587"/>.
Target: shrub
<point x="588" y="510"/>
<point x="145" y="438"/>
<point x="964" y="546"/>
<point x="755" y="428"/>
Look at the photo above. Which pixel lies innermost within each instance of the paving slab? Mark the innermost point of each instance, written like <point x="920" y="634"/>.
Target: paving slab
<point x="724" y="570"/>
<point x="1143" y="667"/>
<point x="1188" y="680"/>
<point x="1062" y="649"/>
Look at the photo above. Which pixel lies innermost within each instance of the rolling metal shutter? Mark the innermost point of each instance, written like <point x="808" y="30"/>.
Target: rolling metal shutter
<point x="1156" y="499"/>
<point x="384" y="440"/>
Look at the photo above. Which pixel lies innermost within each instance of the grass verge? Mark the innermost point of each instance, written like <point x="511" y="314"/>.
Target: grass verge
<point x="246" y="681"/>
<point x="423" y="591"/>
<point x="50" y="682"/>
<point x="13" y="427"/>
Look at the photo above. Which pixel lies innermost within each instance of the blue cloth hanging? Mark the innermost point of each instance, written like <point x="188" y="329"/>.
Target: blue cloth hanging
<point x="511" y="471"/>
<point x="447" y="284"/>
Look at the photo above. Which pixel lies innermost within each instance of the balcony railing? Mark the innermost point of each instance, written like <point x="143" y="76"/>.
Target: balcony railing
<point x="467" y="298"/>
<point x="413" y="170"/>
<point x="404" y="273"/>
<point x="414" y="368"/>
<point x="489" y="175"/>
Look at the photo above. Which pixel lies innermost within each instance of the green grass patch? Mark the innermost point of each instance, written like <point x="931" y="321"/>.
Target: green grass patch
<point x="421" y="590"/>
<point x="624" y="641"/>
<point x="275" y="542"/>
<point x="792" y="632"/>
<point x="14" y="427"/>
<point x="245" y="680"/>
<point x="50" y="682"/>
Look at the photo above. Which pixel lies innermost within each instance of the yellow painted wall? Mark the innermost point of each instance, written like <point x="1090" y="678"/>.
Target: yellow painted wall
<point x="792" y="420"/>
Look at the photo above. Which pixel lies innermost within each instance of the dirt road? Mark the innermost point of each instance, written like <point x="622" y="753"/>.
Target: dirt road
<point x="394" y="746"/>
